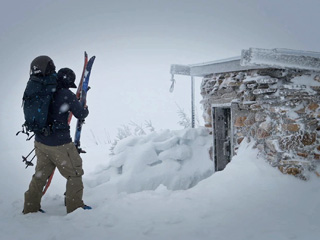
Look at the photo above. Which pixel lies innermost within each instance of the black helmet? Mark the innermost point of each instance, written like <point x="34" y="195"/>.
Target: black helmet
<point x="66" y="77"/>
<point x="42" y="65"/>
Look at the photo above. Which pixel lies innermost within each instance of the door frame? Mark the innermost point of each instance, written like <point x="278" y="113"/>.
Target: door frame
<point x="231" y="137"/>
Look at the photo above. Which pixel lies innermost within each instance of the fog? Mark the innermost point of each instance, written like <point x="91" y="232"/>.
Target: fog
<point x="135" y="42"/>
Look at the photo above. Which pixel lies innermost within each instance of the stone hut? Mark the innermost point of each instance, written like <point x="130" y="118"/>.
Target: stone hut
<point x="267" y="96"/>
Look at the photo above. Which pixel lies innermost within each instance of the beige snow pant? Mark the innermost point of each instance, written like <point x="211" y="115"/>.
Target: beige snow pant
<point x="69" y="163"/>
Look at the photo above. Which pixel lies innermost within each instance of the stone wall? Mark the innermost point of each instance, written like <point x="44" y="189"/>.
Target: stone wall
<point x="279" y="109"/>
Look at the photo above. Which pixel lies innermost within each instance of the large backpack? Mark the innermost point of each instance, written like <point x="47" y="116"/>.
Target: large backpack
<point x="36" y="101"/>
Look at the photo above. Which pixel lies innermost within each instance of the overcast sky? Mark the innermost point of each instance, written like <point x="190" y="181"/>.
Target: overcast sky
<point x="135" y="42"/>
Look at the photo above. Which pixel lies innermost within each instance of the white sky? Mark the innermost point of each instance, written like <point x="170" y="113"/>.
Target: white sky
<point x="135" y="42"/>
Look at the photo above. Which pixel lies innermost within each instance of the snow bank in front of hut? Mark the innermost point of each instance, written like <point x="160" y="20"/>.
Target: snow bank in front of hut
<point x="175" y="159"/>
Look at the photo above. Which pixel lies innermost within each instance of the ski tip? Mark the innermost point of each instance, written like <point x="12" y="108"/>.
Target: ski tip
<point x="91" y="61"/>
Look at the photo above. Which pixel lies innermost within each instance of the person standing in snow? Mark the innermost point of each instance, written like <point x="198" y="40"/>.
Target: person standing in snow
<point x="57" y="149"/>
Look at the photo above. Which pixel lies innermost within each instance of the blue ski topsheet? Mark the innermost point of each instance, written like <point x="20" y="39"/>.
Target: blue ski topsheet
<point x="83" y="96"/>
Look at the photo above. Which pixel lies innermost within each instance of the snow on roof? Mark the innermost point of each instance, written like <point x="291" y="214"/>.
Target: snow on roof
<point x="281" y="58"/>
<point x="254" y="58"/>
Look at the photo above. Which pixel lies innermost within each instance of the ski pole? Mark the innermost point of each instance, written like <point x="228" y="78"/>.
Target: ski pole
<point x="25" y="159"/>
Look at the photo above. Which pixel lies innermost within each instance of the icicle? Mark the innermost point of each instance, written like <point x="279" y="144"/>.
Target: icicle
<point x="172" y="84"/>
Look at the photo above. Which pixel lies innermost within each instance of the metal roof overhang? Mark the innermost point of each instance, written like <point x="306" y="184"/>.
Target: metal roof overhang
<point x="203" y="69"/>
<point x="254" y="58"/>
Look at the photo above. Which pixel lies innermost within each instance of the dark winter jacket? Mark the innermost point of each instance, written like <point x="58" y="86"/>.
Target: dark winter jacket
<point x="64" y="102"/>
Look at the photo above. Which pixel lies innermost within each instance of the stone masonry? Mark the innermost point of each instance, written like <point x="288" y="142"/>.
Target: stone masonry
<point x="278" y="108"/>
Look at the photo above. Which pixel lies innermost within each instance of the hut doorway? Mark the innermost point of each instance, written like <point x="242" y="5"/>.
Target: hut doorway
<point x="221" y="125"/>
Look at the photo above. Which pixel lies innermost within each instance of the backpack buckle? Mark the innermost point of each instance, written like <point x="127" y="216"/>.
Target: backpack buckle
<point x="46" y="131"/>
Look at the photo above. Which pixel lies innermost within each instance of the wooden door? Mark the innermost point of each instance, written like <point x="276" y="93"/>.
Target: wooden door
<point x="221" y="136"/>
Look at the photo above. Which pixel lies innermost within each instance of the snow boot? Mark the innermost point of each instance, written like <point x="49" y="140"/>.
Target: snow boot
<point x="40" y="210"/>
<point x="86" y="207"/>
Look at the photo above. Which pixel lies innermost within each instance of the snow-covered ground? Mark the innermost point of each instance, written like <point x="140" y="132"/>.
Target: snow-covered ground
<point x="142" y="192"/>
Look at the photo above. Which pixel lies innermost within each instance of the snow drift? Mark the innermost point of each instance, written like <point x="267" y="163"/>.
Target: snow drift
<point x="248" y="200"/>
<point x="174" y="159"/>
